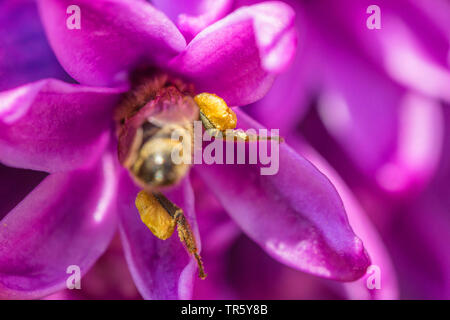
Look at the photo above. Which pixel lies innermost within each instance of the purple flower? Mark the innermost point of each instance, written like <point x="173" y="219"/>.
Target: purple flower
<point x="374" y="105"/>
<point x="49" y="123"/>
<point x="378" y="91"/>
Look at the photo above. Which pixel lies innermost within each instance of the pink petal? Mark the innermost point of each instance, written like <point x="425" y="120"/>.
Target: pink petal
<point x="53" y="126"/>
<point x="25" y="54"/>
<point x="382" y="127"/>
<point x="68" y="219"/>
<point x="114" y="38"/>
<point x="362" y="225"/>
<point x="293" y="91"/>
<point x="192" y="16"/>
<point x="411" y="45"/>
<point x="238" y="56"/>
<point x="296" y="215"/>
<point x="161" y="269"/>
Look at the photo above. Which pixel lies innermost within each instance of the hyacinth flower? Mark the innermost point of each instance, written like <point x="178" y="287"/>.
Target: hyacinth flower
<point x="379" y="96"/>
<point x="374" y="103"/>
<point x="57" y="122"/>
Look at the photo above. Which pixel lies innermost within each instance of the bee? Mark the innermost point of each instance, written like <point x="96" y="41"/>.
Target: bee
<point x="147" y="119"/>
<point x="158" y="109"/>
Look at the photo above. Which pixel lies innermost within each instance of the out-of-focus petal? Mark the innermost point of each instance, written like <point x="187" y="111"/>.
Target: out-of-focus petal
<point x="359" y="107"/>
<point x="219" y="232"/>
<point x="420" y="238"/>
<point x="412" y="44"/>
<point x="114" y="38"/>
<point x="408" y="63"/>
<point x="68" y="219"/>
<point x="108" y="279"/>
<point x="53" y="126"/>
<point x="238" y="56"/>
<point x="436" y="13"/>
<point x="192" y="16"/>
<point x="218" y="285"/>
<point x="397" y="142"/>
<point x="295" y="215"/>
<point x="384" y="129"/>
<point x="420" y="249"/>
<point x="247" y="272"/>
<point x="365" y="110"/>
<point x="292" y="92"/>
<point x="360" y="222"/>
<point x="419" y="145"/>
<point x="25" y="55"/>
<point x="161" y="269"/>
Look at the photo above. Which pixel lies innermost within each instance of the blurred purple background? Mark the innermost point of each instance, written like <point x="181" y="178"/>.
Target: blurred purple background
<point x="368" y="107"/>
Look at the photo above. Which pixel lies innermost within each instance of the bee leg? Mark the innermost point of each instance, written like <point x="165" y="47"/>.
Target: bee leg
<point x="154" y="215"/>
<point x="239" y="135"/>
<point x="184" y="230"/>
<point x="186" y="236"/>
<point x="220" y="120"/>
<point x="161" y="215"/>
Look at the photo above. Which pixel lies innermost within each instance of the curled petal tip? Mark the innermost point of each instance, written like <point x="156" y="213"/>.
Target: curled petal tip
<point x="238" y="56"/>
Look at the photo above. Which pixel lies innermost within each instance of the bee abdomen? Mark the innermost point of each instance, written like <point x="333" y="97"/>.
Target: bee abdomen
<point x="155" y="166"/>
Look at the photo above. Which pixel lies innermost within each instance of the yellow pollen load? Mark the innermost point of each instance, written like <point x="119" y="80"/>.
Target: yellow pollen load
<point x="217" y="112"/>
<point x="154" y="216"/>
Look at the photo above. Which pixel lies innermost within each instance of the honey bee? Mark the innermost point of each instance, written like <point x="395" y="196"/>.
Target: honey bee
<point x="158" y="109"/>
<point x="147" y="120"/>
